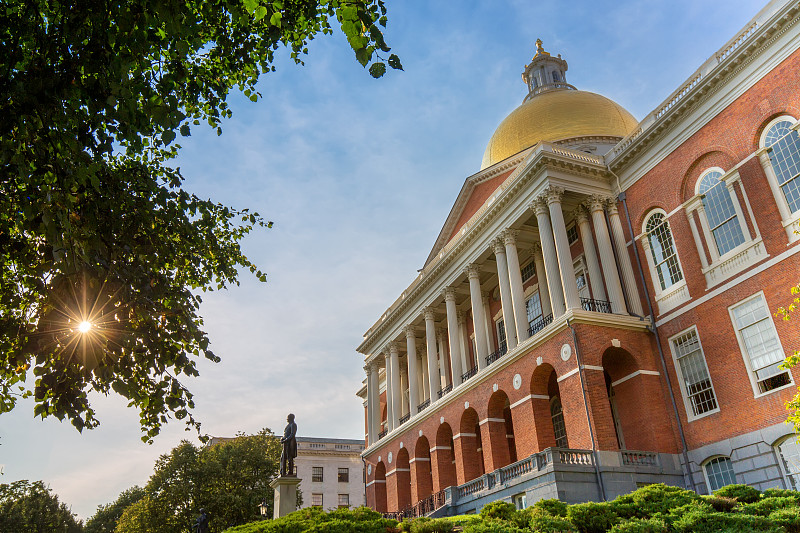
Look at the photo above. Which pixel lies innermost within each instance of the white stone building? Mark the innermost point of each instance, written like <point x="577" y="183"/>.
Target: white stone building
<point x="331" y="472"/>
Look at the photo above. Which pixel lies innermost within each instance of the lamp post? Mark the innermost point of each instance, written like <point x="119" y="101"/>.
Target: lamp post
<point x="262" y="508"/>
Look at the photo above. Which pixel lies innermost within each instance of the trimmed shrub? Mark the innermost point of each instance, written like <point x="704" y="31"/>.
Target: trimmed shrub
<point x="543" y="522"/>
<point x="427" y="525"/>
<point x="781" y="493"/>
<point x="592" y="517"/>
<point x="648" y="501"/>
<point x="552" y="507"/>
<point x="714" y="522"/>
<point x="742" y="493"/>
<point x="766" y="506"/>
<point x="721" y="504"/>
<point x="358" y="520"/>
<point x="788" y="518"/>
<point x="499" y="510"/>
<point x="641" y="525"/>
<point x="492" y="525"/>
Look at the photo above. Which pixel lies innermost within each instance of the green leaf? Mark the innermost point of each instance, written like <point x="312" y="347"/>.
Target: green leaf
<point x="394" y="62"/>
<point x="250" y="5"/>
<point x="260" y="13"/>
<point x="275" y="19"/>
<point x="376" y="70"/>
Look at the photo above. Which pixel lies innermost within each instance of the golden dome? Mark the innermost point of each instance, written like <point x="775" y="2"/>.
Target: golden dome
<point x="556" y="115"/>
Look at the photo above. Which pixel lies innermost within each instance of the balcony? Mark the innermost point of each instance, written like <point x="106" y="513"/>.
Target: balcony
<point x="469" y="373"/>
<point x="383" y="434"/>
<point x="492" y="357"/>
<point x="424" y="405"/>
<point x="598" y="306"/>
<point x="445" y="390"/>
<point x="405" y="418"/>
<point x="539" y="324"/>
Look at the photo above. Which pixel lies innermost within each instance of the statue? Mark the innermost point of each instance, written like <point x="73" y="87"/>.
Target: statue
<point x="201" y="526"/>
<point x="289" y="452"/>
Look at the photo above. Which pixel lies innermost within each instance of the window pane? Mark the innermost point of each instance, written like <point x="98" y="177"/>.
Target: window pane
<point x="785" y="158"/>
<point x="528" y="271"/>
<point x="696" y="380"/>
<point x="316" y="500"/>
<point x="720" y="473"/>
<point x="761" y="343"/>
<point x="344" y="475"/>
<point x="559" y="427"/>
<point x="789" y="451"/>
<point x="316" y="473"/>
<point x="720" y="213"/>
<point x="501" y="335"/>
<point x="344" y="500"/>
<point x="662" y="249"/>
<point x="533" y="307"/>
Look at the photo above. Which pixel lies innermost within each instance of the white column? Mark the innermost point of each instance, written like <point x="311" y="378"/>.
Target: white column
<point x="444" y="362"/>
<point x="595" y="274"/>
<point x="505" y="295"/>
<point x="648" y="254"/>
<point x="515" y="277"/>
<point x="452" y="336"/>
<point x="488" y="326"/>
<point x="413" y="373"/>
<point x="780" y="199"/>
<point x="397" y="403"/>
<point x="430" y="348"/>
<point x="697" y="242"/>
<point x="550" y="258"/>
<point x="571" y="298"/>
<point x="463" y="337"/>
<point x="373" y="403"/>
<point x="390" y="419"/>
<point x="541" y="279"/>
<point x="624" y="260"/>
<point x="604" y="245"/>
<point x="404" y="404"/>
<point x="422" y="382"/>
<point x="710" y="242"/>
<point x="478" y="315"/>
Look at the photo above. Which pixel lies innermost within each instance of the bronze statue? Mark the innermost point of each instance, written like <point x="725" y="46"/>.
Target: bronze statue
<point x="201" y="525"/>
<point x="289" y="442"/>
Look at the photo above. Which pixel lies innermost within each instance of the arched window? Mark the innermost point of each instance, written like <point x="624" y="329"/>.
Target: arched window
<point x="789" y="455"/>
<point x="662" y="250"/>
<point x="559" y="427"/>
<point x="784" y="154"/>
<point x="719" y="472"/>
<point x="720" y="212"/>
<point x="556" y="78"/>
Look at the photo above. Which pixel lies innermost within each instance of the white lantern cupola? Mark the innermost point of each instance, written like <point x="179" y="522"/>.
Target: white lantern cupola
<point x="545" y="73"/>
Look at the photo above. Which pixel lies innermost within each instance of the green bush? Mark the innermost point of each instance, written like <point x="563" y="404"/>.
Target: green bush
<point x="721" y="504"/>
<point x="781" y="493"/>
<point x="314" y="519"/>
<point x="714" y="522"/>
<point x="543" y="522"/>
<point x="648" y="501"/>
<point x="592" y="517"/>
<point x="788" y="518"/>
<point x="499" y="510"/>
<point x="766" y="506"/>
<point x="641" y="525"/>
<point x="427" y="525"/>
<point x="742" y="493"/>
<point x="492" y="525"/>
<point x="552" y="507"/>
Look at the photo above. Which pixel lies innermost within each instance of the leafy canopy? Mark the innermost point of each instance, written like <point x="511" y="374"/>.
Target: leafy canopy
<point x="31" y="507"/>
<point x="103" y="253"/>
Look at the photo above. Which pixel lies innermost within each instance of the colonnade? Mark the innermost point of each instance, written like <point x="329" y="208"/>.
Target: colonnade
<point x="445" y="363"/>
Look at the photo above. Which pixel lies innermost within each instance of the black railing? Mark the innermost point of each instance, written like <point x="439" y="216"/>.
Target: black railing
<point x="598" y="306"/>
<point x="382" y="434"/>
<point x="404" y="419"/>
<point x="423" y="507"/>
<point x="539" y="324"/>
<point x="445" y="390"/>
<point x="423" y="405"/>
<point x="492" y="357"/>
<point x="469" y="373"/>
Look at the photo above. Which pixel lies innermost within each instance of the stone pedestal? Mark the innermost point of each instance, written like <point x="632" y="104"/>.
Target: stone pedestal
<point x="285" y="495"/>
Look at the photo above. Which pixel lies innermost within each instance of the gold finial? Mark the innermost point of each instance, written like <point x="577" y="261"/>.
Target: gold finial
<point x="540" y="49"/>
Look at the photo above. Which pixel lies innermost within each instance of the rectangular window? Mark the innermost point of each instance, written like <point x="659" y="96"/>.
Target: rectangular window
<point x="501" y="336"/>
<point x="693" y="373"/>
<point x="520" y="501"/>
<point x="760" y="344"/>
<point x="572" y="234"/>
<point x="316" y="474"/>
<point x="533" y="307"/>
<point x="342" y="446"/>
<point x="528" y="271"/>
<point x="344" y="475"/>
<point x="316" y="500"/>
<point x="316" y="445"/>
<point x="344" y="500"/>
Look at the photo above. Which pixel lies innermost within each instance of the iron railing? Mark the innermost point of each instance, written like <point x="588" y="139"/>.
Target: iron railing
<point x="539" y="324"/>
<point x="598" y="306"/>
<point x="404" y="419"/>
<point x="423" y="405"/>
<point x="383" y="434"/>
<point x="445" y="390"/>
<point x="469" y="373"/>
<point x="423" y="507"/>
<point x="492" y="357"/>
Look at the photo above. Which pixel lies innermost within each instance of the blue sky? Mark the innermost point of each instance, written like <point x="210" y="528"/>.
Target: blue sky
<point x="358" y="175"/>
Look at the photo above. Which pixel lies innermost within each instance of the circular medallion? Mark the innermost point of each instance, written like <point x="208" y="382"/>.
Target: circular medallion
<point x="389" y="458"/>
<point x="566" y="352"/>
<point x="517" y="381"/>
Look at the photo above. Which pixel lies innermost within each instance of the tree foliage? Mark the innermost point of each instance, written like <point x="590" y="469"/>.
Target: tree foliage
<point x="794" y="359"/>
<point x="229" y="480"/>
<point x="106" y="517"/>
<point x="31" y="507"/>
<point x="95" y="226"/>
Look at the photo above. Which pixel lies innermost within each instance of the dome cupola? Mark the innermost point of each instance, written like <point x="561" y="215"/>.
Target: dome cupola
<point x="545" y="73"/>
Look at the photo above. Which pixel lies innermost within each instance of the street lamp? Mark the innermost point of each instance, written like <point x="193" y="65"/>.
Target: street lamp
<point x="262" y="508"/>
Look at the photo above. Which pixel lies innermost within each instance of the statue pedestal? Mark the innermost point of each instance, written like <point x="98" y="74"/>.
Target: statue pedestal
<point x="285" y="495"/>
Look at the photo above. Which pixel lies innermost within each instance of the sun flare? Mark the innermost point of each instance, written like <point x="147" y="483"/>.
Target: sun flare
<point x="84" y="326"/>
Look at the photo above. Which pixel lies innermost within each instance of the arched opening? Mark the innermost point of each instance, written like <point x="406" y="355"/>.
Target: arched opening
<point x="635" y="402"/>
<point x="380" y="487"/>
<point x="501" y="431"/>
<point x="468" y="447"/>
<point x="421" y="477"/>
<point x="548" y="412"/>
<point x="443" y="463"/>
<point x="403" y="479"/>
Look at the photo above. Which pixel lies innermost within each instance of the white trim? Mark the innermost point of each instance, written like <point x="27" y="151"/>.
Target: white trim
<point x="687" y="406"/>
<point x="633" y="375"/>
<point x="376" y="481"/>
<point x="731" y="283"/>
<point x="522" y="400"/>
<point x="390" y="472"/>
<point x="509" y="436"/>
<point x="439" y="448"/>
<point x="707" y="460"/>
<point x="568" y="374"/>
<point x="416" y="459"/>
<point x="459" y="435"/>
<point x="593" y="367"/>
<point x="486" y="420"/>
<point x="790" y="221"/>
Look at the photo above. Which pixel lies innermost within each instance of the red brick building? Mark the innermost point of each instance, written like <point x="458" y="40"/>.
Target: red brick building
<point x="597" y="311"/>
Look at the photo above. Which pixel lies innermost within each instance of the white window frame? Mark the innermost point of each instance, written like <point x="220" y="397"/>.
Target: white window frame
<point x="791" y="222"/>
<point x="704" y="464"/>
<point x="339" y="503"/>
<point x="743" y="349"/>
<point x="322" y="474"/>
<point x="497" y="330"/>
<point x="738" y="259"/>
<point x="687" y="403"/>
<point x="321" y="499"/>
<point x="677" y="293"/>
<point x="779" y="457"/>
